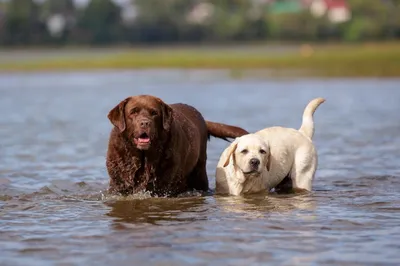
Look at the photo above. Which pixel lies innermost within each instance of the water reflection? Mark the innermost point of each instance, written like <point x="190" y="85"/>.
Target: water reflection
<point x="261" y="205"/>
<point x="157" y="211"/>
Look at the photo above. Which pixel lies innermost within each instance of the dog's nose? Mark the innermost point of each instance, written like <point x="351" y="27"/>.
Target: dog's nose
<point x="254" y="162"/>
<point x="144" y="123"/>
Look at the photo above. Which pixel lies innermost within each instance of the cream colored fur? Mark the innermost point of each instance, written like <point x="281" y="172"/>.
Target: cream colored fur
<point x="282" y="152"/>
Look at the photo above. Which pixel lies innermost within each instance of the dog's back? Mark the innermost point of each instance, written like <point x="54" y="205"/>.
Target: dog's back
<point x="285" y="145"/>
<point x="292" y="155"/>
<point x="292" y="151"/>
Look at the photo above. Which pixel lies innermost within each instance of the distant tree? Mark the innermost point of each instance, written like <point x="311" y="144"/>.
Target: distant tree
<point x="393" y="19"/>
<point x="51" y="7"/>
<point x="370" y="20"/>
<point x="101" y="20"/>
<point x="22" y="25"/>
<point x="162" y="21"/>
<point x="229" y="20"/>
<point x="59" y="17"/>
<point x="2" y="22"/>
<point x="25" y="22"/>
<point x="299" y="27"/>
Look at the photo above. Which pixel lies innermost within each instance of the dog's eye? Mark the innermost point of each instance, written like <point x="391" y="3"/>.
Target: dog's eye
<point x="134" y="111"/>
<point x="153" y="112"/>
<point x="244" y="151"/>
<point x="263" y="151"/>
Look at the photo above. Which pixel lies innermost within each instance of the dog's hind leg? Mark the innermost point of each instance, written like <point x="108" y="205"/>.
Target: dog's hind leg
<point x="303" y="172"/>
<point x="198" y="177"/>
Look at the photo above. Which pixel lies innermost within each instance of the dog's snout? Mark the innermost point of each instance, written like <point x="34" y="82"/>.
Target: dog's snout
<point x="144" y="123"/>
<point x="254" y="162"/>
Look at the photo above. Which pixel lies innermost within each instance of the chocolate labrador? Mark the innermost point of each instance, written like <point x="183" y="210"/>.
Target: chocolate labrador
<point x="160" y="148"/>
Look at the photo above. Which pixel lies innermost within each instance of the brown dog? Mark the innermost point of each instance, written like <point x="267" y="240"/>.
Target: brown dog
<point x="160" y="148"/>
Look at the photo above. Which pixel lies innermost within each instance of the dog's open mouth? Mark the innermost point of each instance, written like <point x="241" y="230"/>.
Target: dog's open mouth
<point x="143" y="139"/>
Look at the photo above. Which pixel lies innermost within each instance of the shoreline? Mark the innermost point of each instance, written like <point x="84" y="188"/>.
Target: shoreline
<point x="329" y="60"/>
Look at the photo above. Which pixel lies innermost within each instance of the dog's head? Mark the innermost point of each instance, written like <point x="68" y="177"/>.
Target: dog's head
<point x="143" y="119"/>
<point x="250" y="154"/>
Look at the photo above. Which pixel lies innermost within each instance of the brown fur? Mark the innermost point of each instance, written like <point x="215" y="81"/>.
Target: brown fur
<point x="175" y="159"/>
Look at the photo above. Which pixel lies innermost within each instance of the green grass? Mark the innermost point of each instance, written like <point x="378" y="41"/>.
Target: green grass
<point x="357" y="60"/>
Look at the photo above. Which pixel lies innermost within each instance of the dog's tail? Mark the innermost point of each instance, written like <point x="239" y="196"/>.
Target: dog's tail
<point x="307" y="126"/>
<point x="223" y="131"/>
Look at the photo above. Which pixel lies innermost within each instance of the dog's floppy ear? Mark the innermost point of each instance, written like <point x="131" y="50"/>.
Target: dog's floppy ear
<point x="117" y="115"/>
<point x="231" y="152"/>
<point x="166" y="111"/>
<point x="167" y="116"/>
<point x="268" y="165"/>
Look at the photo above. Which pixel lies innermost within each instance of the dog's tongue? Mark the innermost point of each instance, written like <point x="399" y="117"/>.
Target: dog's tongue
<point x="143" y="140"/>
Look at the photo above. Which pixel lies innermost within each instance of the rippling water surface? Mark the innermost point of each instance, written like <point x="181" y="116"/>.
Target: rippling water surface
<point x="53" y="139"/>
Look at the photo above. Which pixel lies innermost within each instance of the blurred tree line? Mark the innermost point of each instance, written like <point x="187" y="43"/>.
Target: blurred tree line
<point x="103" y="22"/>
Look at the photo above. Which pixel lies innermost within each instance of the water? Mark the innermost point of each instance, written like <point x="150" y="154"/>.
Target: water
<point x="53" y="139"/>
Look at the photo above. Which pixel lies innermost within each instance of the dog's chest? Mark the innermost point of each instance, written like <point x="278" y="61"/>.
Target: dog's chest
<point x="252" y="185"/>
<point x="144" y="175"/>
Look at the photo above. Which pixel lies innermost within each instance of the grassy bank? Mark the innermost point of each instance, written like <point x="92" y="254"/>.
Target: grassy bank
<point x="361" y="60"/>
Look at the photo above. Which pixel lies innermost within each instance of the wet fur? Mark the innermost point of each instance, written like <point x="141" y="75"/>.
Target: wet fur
<point x="176" y="159"/>
<point x="293" y="159"/>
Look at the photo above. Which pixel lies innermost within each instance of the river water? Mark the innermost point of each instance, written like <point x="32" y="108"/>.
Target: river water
<point x="54" y="211"/>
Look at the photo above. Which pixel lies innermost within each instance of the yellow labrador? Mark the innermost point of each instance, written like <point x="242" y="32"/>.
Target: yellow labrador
<point x="274" y="157"/>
